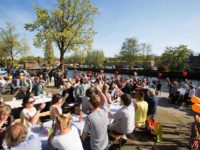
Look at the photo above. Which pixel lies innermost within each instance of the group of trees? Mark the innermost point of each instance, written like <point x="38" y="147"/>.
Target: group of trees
<point x="11" y="45"/>
<point x="69" y="27"/>
<point x="175" y="58"/>
<point x="90" y="57"/>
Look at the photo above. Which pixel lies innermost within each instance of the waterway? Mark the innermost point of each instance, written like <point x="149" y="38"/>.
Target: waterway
<point x="165" y="87"/>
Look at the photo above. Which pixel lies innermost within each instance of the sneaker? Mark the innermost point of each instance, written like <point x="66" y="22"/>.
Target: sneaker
<point x="124" y="137"/>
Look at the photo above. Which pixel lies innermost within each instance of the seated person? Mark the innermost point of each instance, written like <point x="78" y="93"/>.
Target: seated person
<point x="68" y="139"/>
<point x="56" y="104"/>
<point x="5" y="120"/>
<point x="190" y="94"/>
<point x="68" y="93"/>
<point x="152" y="101"/>
<point x="23" y="92"/>
<point x="39" y="88"/>
<point x="96" y="124"/>
<point x="16" y="138"/>
<point x="29" y="115"/>
<point x="140" y="110"/>
<point x="124" y="118"/>
<point x="85" y="101"/>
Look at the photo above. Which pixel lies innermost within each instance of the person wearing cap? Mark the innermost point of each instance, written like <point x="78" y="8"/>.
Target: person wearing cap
<point x="30" y="115"/>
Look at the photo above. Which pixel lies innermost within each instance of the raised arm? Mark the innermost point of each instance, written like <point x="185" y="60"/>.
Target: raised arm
<point x="35" y="118"/>
<point x="118" y="90"/>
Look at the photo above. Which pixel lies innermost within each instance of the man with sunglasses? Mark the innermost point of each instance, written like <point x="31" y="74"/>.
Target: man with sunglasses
<point x="29" y="115"/>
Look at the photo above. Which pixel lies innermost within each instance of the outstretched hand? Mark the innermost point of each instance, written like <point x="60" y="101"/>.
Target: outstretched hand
<point x="42" y="106"/>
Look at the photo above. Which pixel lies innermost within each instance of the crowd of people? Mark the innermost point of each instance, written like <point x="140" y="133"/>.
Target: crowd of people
<point x="94" y="95"/>
<point x="181" y="92"/>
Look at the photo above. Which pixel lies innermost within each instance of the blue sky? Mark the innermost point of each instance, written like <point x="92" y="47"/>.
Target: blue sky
<point x="160" y="23"/>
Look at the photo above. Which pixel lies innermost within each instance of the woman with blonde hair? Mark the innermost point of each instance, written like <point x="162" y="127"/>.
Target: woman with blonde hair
<point x="68" y="139"/>
<point x="5" y="120"/>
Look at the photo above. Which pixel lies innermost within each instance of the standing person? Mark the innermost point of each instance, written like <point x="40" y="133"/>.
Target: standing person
<point x="158" y="87"/>
<point x="50" y="74"/>
<point x="68" y="139"/>
<point x="152" y="101"/>
<point x="16" y="138"/>
<point x="80" y="91"/>
<point x="29" y="115"/>
<point x="2" y="84"/>
<point x="96" y="124"/>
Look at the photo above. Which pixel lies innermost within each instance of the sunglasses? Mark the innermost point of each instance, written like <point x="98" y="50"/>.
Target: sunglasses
<point x="31" y="102"/>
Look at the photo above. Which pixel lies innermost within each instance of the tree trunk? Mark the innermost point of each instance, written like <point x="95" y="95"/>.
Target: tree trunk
<point x="62" y="61"/>
<point x="12" y="61"/>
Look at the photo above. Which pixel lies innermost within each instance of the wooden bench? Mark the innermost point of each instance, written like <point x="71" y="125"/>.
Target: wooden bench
<point x="116" y="137"/>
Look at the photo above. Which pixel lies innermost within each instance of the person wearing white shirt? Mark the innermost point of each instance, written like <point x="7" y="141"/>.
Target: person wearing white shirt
<point x="68" y="139"/>
<point x="124" y="119"/>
